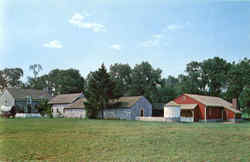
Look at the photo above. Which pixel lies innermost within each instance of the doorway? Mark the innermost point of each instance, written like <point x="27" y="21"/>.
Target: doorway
<point x="224" y="114"/>
<point x="142" y="113"/>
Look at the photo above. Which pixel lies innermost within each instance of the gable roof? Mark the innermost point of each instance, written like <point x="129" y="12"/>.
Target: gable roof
<point x="65" y="98"/>
<point x="78" y="104"/>
<point x="188" y="106"/>
<point x="182" y="106"/>
<point x="213" y="101"/>
<point x="172" y="103"/>
<point x="19" y="93"/>
<point x="126" y="102"/>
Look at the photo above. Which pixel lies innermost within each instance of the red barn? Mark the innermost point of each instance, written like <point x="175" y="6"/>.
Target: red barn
<point x="207" y="108"/>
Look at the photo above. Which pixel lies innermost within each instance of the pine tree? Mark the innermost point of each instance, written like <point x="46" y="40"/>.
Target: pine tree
<point x="101" y="89"/>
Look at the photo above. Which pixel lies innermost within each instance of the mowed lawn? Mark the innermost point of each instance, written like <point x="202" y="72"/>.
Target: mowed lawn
<point x="97" y="140"/>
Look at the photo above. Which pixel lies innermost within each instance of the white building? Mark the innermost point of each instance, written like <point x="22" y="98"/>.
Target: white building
<point x="59" y="102"/>
<point x="172" y="112"/>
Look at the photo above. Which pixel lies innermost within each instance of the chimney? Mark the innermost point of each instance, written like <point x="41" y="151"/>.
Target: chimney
<point x="235" y="104"/>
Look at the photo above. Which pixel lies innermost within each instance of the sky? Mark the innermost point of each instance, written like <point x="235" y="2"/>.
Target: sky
<point x="84" y="34"/>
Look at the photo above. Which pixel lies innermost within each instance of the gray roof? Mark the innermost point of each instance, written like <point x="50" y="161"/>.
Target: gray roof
<point x="78" y="104"/>
<point x="19" y="93"/>
<point x="65" y="98"/>
<point x="125" y="102"/>
<point x="213" y="102"/>
<point x="183" y="106"/>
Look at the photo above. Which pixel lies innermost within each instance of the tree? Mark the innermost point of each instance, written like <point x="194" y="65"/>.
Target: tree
<point x="238" y="78"/>
<point x="36" y="68"/>
<point x="186" y="85"/>
<point x="42" y="82"/>
<point x="65" y="81"/>
<point x="10" y="77"/>
<point x="214" y="74"/>
<point x="245" y="100"/>
<point x="145" y="80"/>
<point x="166" y="94"/>
<point x="121" y="74"/>
<point x="44" y="108"/>
<point x="3" y="81"/>
<point x="99" y="92"/>
<point x="196" y="76"/>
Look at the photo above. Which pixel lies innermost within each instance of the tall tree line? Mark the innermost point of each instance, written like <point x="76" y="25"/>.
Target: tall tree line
<point x="213" y="76"/>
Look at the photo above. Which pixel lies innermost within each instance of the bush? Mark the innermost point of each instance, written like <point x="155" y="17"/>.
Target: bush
<point x="44" y="108"/>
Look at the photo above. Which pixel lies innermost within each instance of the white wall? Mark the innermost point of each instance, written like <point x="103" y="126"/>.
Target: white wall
<point x="74" y="113"/>
<point x="172" y="112"/>
<point x="58" y="107"/>
<point x="7" y="99"/>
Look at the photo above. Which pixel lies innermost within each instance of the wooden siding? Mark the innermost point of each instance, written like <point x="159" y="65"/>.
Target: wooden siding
<point x="213" y="113"/>
<point x="199" y="111"/>
<point x="74" y="113"/>
<point x="58" y="108"/>
<point x="130" y="113"/>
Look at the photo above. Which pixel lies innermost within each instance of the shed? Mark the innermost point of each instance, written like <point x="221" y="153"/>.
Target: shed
<point x="172" y="111"/>
<point x="59" y="102"/>
<point x="75" y="110"/>
<point x="130" y="108"/>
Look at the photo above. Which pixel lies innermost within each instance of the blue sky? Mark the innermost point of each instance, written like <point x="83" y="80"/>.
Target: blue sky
<point x="83" y="34"/>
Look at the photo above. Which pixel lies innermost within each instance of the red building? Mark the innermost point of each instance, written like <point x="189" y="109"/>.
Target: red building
<point x="207" y="108"/>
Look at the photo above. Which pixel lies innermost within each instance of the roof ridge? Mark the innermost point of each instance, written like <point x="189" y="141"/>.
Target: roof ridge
<point x="68" y="94"/>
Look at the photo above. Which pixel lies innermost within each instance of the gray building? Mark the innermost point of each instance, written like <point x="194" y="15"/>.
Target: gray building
<point x="59" y="102"/>
<point x="129" y="108"/>
<point x="24" y="100"/>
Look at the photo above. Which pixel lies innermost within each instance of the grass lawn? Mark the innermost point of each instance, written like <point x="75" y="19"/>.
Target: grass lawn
<point x="96" y="140"/>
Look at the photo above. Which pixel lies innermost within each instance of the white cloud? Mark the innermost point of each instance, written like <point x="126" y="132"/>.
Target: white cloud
<point x="154" y="42"/>
<point x="116" y="47"/>
<point x="53" y="44"/>
<point x="157" y="36"/>
<point x="150" y="43"/>
<point x="174" y="27"/>
<point x="78" y="20"/>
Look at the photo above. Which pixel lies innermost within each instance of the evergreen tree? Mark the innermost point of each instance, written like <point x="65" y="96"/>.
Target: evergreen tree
<point x="101" y="89"/>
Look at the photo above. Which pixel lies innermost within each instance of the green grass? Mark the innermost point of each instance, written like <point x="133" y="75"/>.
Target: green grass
<point x="96" y="140"/>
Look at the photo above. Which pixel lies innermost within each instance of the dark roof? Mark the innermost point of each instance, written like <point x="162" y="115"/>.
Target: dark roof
<point x="19" y="93"/>
<point x="65" y="98"/>
<point x="125" y="102"/>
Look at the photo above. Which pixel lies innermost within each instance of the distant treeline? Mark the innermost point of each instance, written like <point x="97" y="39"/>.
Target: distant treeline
<point x="214" y="77"/>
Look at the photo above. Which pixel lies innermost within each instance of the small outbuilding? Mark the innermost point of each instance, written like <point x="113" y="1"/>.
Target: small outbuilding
<point x="130" y="108"/>
<point x="59" y="102"/>
<point x="172" y="112"/>
<point x="76" y="109"/>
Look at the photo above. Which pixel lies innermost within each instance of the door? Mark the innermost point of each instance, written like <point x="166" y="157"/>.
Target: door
<point x="142" y="113"/>
<point x="224" y="115"/>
